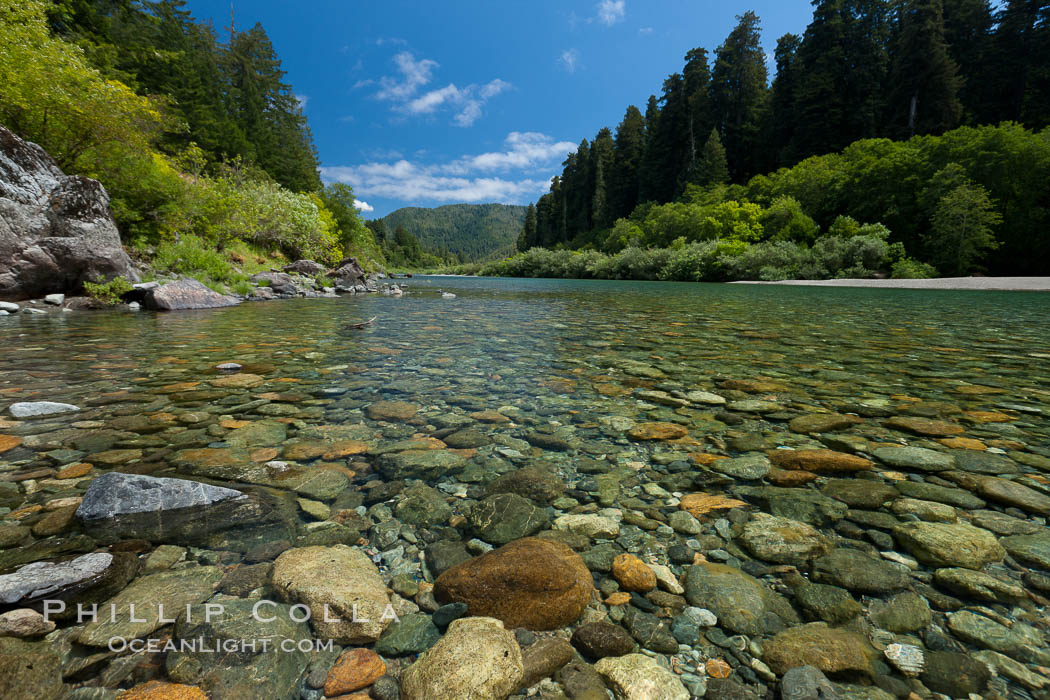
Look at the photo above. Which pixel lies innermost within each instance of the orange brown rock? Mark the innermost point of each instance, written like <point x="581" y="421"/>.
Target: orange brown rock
<point x="355" y="669"/>
<point x="533" y="583"/>
<point x="633" y="574"/>
<point x="924" y="426"/>
<point x="159" y="690"/>
<point x="703" y="503"/>
<point x="657" y="431"/>
<point x="818" y="461"/>
<point x="9" y="442"/>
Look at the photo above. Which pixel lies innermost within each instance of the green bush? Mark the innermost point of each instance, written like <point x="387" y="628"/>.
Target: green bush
<point x="108" y="293"/>
<point x="911" y="269"/>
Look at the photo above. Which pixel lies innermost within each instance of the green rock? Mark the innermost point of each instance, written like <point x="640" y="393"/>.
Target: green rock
<point x="796" y="504"/>
<point x="467" y="439"/>
<point x="505" y="517"/>
<point x="535" y="483"/>
<point x="742" y="603"/>
<point x="859" y="493"/>
<point x="1030" y="549"/>
<point x="258" y="672"/>
<point x="941" y="494"/>
<point x="782" y="540"/>
<point x="261" y="433"/>
<point x="955" y="675"/>
<point x="856" y="571"/>
<point x="832" y="650"/>
<point x="30" y="670"/>
<point x="904" y="612"/>
<point x="949" y="544"/>
<point x="918" y="458"/>
<point x="428" y="465"/>
<point x="984" y="462"/>
<point x="975" y="584"/>
<point x="750" y="467"/>
<point x="422" y="506"/>
<point x="162" y="594"/>
<point x="412" y="634"/>
<point x="828" y="603"/>
<point x="990" y="634"/>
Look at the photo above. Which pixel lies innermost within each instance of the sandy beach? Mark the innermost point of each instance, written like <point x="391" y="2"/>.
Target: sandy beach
<point x="1011" y="284"/>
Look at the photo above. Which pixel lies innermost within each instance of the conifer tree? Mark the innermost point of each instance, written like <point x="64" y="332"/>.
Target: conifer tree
<point x="740" y="96"/>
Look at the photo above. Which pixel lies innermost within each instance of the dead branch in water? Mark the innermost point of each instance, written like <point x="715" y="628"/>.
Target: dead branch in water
<point x="359" y="326"/>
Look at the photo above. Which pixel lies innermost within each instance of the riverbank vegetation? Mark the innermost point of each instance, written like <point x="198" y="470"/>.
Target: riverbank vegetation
<point x="202" y="146"/>
<point x="876" y="113"/>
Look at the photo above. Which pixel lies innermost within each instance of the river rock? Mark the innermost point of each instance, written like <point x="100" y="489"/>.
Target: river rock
<point x="391" y="410"/>
<point x="422" y="506"/>
<point x="183" y="295"/>
<point x="89" y="578"/>
<point x="741" y="602"/>
<point x="307" y="268"/>
<point x="428" y="465"/>
<point x="477" y="659"/>
<point x="918" y="458"/>
<point x="33" y="409"/>
<point x="30" y="670"/>
<point x="638" y="677"/>
<point x="535" y="483"/>
<point x="348" y="274"/>
<point x="949" y="544"/>
<point x="806" y="683"/>
<point x="340" y="580"/>
<point x="1031" y="549"/>
<point x="924" y="426"/>
<point x="1013" y="494"/>
<point x="988" y="633"/>
<point x="955" y="675"/>
<point x="355" y="669"/>
<point x="747" y="467"/>
<point x="975" y="584"/>
<point x="633" y="574"/>
<point x="904" y="612"/>
<point x="782" y="540"/>
<point x="157" y="599"/>
<point x="412" y="634"/>
<point x="588" y="525"/>
<point x="818" y="461"/>
<point x="127" y="506"/>
<point x="262" y="673"/>
<point x="657" y="431"/>
<point x="856" y="571"/>
<point x="822" y="422"/>
<point x="829" y="649"/>
<point x="600" y="639"/>
<point x="279" y="282"/>
<point x="56" y="231"/>
<point x="544" y="658"/>
<point x="532" y="583"/>
<point x="24" y="622"/>
<point x="505" y="517"/>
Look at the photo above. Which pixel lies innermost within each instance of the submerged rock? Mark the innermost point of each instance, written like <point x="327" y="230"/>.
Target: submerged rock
<point x="32" y="409"/>
<point x="477" y="659"/>
<point x="341" y="586"/>
<point x="531" y="583"/>
<point x="89" y="578"/>
<point x="828" y="649"/>
<point x="949" y="544"/>
<point x="126" y="506"/>
<point x="742" y="603"/>
<point x="638" y="677"/>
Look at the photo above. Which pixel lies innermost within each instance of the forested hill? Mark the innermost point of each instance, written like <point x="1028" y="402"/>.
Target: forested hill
<point x="862" y="70"/>
<point x="471" y="232"/>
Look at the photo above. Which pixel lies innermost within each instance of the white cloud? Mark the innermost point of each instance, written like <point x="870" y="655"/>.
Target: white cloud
<point x="302" y="100"/>
<point x="611" y="11"/>
<point x="645" y="30"/>
<point x="403" y="91"/>
<point x="465" y="179"/>
<point x="524" y="150"/>
<point x="363" y="205"/>
<point x="569" y="59"/>
<point x="414" y="75"/>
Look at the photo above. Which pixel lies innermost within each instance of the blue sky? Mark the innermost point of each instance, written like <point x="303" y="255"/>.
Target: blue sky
<point x="429" y="103"/>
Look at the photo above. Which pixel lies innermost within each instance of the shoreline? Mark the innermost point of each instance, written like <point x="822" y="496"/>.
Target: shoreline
<point x="1000" y="284"/>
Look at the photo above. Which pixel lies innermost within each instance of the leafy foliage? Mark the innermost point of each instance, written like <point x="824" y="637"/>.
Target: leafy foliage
<point x="108" y="293"/>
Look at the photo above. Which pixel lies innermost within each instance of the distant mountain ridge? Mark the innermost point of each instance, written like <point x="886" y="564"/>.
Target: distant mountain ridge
<point x="473" y="231"/>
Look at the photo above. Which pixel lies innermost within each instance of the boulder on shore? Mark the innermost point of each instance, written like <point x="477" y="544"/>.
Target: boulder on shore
<point x="183" y="295"/>
<point x="56" y="231"/>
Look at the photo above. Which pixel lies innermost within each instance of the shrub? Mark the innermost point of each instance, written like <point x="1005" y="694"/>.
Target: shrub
<point x="108" y="293"/>
<point x="911" y="269"/>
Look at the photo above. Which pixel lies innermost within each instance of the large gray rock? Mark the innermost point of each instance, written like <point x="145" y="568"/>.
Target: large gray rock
<point x="304" y="267"/>
<point x="126" y="506"/>
<point x="183" y="295"/>
<point x="56" y="231"/>
<point x="349" y="273"/>
<point x="88" y="578"/>
<point x="279" y="282"/>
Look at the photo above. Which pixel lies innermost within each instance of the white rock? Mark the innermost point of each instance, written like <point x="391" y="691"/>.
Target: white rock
<point x="638" y="677"/>
<point x="24" y="622"/>
<point x="31" y="409"/>
<point x="477" y="659"/>
<point x="705" y="397"/>
<point x="593" y="526"/>
<point x="9" y="307"/>
<point x="55" y="299"/>
<point x="666" y="579"/>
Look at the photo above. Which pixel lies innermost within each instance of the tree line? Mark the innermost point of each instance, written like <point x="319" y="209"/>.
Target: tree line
<point x="862" y="70"/>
